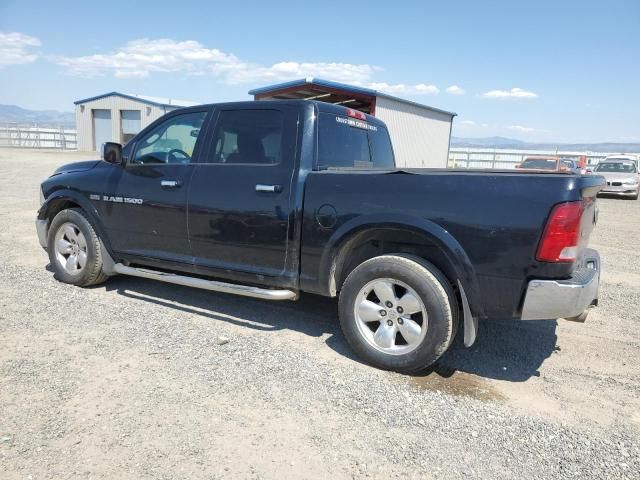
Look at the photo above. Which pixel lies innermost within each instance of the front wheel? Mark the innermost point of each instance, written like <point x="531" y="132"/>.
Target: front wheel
<point x="398" y="312"/>
<point x="74" y="249"/>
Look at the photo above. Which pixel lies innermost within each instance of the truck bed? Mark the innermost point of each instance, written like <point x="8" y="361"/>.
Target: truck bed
<point x="495" y="218"/>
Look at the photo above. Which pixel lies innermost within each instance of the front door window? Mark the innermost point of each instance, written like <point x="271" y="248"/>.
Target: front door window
<point x="171" y="142"/>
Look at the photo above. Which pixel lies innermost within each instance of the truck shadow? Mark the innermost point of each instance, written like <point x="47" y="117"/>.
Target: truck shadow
<point x="504" y="350"/>
<point x="511" y="350"/>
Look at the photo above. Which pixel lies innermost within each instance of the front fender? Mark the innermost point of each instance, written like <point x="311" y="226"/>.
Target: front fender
<point x="458" y="259"/>
<point x="56" y="200"/>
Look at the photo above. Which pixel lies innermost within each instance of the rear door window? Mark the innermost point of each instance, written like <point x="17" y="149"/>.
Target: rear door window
<point x="345" y="142"/>
<point x="248" y="137"/>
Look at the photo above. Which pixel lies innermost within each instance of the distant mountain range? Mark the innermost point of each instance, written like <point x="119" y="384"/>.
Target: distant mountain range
<point x="511" y="143"/>
<point x="43" y="118"/>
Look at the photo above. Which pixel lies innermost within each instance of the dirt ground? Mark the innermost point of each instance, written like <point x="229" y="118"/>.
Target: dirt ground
<point x="135" y="379"/>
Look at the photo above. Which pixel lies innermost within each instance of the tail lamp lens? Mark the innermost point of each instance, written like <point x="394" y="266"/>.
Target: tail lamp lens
<point x="561" y="234"/>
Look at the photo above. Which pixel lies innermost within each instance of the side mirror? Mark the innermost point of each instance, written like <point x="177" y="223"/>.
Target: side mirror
<point x="112" y="152"/>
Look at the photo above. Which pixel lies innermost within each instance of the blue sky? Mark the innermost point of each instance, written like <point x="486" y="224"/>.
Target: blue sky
<point x="544" y="70"/>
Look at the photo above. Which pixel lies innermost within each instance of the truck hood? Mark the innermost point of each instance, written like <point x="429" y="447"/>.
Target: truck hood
<point x="76" y="167"/>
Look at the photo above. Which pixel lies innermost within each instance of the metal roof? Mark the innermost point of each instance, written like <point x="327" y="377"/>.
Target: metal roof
<point x="157" y="101"/>
<point x="358" y="90"/>
<point x="313" y="81"/>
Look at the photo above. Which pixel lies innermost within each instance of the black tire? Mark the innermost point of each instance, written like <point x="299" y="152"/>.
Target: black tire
<point x="432" y="288"/>
<point x="89" y="274"/>
<point x="581" y="318"/>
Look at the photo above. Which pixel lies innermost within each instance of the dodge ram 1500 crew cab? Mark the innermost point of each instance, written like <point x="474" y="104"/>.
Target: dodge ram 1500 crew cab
<point x="270" y="199"/>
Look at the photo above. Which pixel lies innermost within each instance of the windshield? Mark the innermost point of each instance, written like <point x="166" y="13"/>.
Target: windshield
<point x="540" y="163"/>
<point x="616" y="167"/>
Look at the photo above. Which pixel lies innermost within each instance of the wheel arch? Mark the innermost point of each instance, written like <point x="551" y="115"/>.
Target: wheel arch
<point x="64" y="199"/>
<point x="368" y="236"/>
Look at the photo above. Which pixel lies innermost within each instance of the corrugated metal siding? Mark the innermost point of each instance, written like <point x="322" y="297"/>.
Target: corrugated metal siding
<point x="420" y="136"/>
<point x="84" y="118"/>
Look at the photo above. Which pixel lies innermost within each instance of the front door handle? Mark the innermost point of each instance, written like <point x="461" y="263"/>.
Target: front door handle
<point x="268" y="188"/>
<point x="170" y="183"/>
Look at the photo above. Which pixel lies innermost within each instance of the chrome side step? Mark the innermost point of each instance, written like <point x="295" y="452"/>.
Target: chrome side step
<point x="244" y="290"/>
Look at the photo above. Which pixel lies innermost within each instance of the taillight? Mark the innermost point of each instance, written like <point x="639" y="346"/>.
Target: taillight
<point x="562" y="233"/>
<point x="356" y="114"/>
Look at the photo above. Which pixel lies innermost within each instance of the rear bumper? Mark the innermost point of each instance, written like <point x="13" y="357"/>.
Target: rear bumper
<point x="41" y="229"/>
<point x="551" y="299"/>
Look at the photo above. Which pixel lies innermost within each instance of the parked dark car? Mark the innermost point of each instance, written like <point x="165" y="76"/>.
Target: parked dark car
<point x="571" y="165"/>
<point x="549" y="164"/>
<point x="271" y="199"/>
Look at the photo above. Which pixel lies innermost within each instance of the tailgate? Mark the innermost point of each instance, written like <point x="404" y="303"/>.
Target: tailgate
<point x="589" y="186"/>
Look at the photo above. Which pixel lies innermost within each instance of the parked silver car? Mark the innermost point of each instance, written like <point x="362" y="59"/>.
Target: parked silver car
<point x="621" y="176"/>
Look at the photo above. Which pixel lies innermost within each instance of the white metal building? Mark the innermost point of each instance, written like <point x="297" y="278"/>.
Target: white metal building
<point x="116" y="117"/>
<point x="420" y="134"/>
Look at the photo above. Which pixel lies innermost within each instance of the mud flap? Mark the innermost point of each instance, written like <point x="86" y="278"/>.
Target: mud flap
<point x="470" y="322"/>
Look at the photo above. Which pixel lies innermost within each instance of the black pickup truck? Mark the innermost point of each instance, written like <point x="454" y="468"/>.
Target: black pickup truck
<point x="270" y="199"/>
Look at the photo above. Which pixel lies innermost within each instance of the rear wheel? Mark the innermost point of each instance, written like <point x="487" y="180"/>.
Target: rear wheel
<point x="398" y="312"/>
<point x="74" y="249"/>
<point x="579" y="318"/>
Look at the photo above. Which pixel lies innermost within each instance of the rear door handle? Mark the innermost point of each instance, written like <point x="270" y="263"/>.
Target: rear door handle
<point x="170" y="183"/>
<point x="268" y="188"/>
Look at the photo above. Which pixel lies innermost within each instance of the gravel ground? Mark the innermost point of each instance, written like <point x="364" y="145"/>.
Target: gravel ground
<point x="138" y="379"/>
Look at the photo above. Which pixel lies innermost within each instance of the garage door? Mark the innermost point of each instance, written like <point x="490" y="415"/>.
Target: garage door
<point x="102" y="131"/>
<point x="130" y="121"/>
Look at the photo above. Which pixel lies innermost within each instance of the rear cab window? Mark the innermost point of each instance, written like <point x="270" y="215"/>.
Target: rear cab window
<point x="540" y="163"/>
<point x="346" y="142"/>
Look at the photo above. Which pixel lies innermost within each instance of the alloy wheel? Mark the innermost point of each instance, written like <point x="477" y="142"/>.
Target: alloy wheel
<point x="391" y="316"/>
<point x="71" y="248"/>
